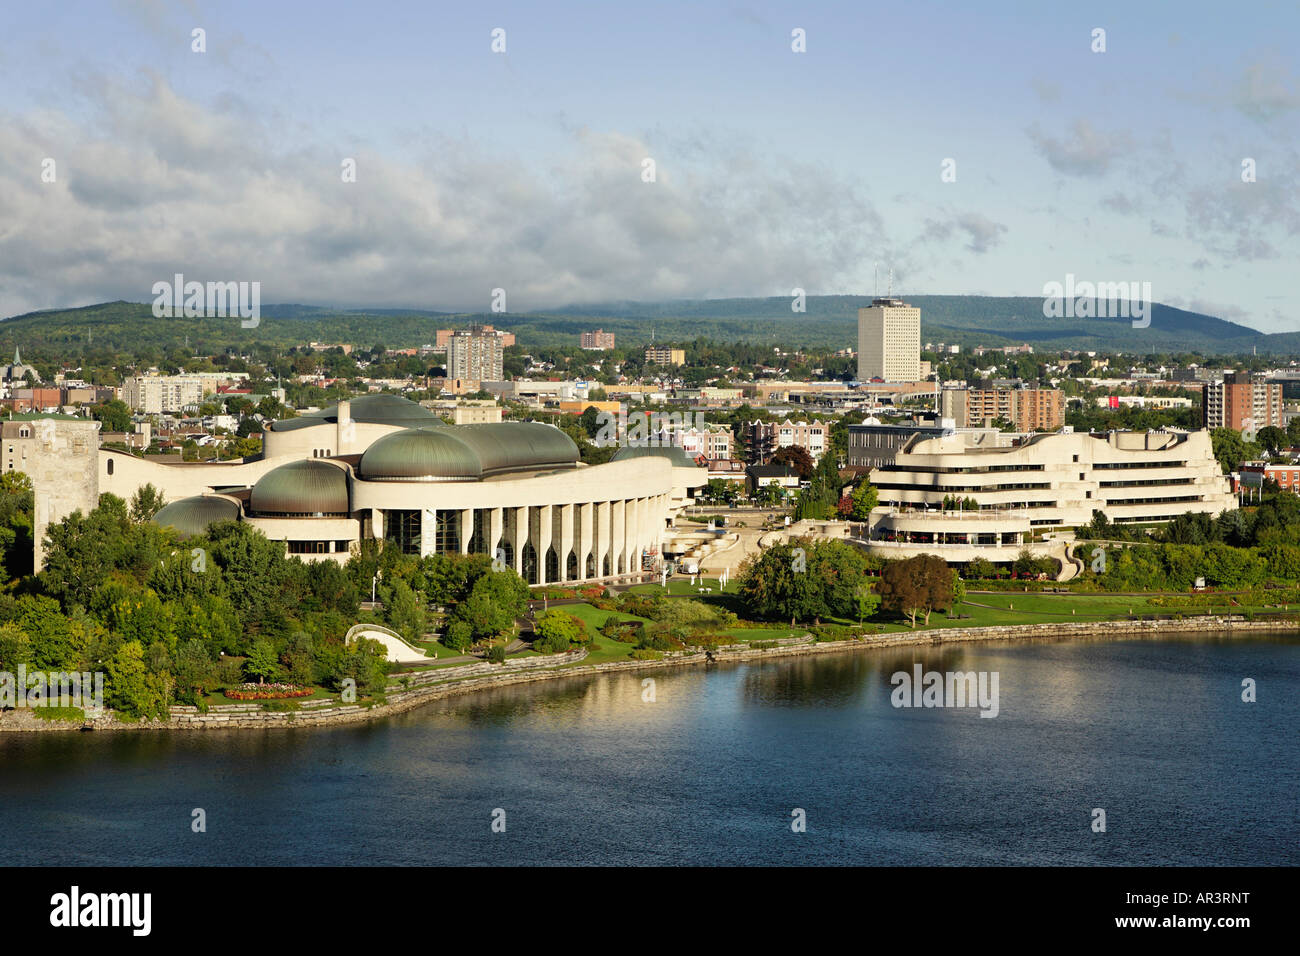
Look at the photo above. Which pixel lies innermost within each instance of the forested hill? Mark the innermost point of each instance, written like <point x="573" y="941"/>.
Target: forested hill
<point x="829" y="321"/>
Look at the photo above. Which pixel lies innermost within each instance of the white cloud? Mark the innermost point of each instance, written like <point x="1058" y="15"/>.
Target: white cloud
<point x="154" y="183"/>
<point x="1086" y="151"/>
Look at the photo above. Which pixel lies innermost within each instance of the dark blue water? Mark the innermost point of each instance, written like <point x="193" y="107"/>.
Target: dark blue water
<point x="1153" y="732"/>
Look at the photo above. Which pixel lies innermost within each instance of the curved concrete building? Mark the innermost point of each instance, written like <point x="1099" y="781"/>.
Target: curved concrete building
<point x="384" y="467"/>
<point x="1047" y="483"/>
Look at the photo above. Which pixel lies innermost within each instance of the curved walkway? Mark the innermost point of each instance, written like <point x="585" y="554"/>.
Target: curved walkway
<point x="398" y="648"/>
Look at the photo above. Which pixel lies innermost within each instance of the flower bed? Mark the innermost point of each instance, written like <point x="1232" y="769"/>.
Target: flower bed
<point x="267" y="691"/>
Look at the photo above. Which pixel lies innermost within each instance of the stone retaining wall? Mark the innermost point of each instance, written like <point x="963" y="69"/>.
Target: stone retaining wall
<point x="433" y="685"/>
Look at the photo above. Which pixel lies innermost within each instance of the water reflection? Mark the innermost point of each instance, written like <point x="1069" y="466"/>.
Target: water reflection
<point x="590" y="770"/>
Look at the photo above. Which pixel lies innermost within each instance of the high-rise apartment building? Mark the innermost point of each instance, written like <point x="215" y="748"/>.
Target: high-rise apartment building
<point x="1027" y="409"/>
<point x="889" y="341"/>
<point x="598" y="341"/>
<point x="476" y="355"/>
<point x="443" y="336"/>
<point x="155" y="394"/>
<point x="1243" y="403"/>
<point x="662" y="355"/>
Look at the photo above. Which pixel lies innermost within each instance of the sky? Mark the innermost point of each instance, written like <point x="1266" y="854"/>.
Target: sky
<point x="526" y="169"/>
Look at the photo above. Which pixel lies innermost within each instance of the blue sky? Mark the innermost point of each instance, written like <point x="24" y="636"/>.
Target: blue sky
<point x="774" y="169"/>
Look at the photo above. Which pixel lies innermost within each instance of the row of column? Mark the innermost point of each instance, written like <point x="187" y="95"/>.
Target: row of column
<point x="609" y="534"/>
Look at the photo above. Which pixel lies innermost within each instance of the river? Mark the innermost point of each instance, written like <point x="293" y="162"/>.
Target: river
<point x="714" y="769"/>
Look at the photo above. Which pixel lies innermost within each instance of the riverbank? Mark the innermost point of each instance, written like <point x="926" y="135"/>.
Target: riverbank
<point x="414" y="690"/>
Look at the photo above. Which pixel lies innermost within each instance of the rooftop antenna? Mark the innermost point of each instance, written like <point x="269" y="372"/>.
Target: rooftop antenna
<point x="876" y="293"/>
<point x="891" y="282"/>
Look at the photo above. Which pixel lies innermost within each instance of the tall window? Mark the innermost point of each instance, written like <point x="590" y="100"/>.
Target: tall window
<point x="478" y="542"/>
<point x="403" y="528"/>
<point x="447" y="540"/>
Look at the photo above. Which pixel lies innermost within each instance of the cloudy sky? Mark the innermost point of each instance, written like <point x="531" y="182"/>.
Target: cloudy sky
<point x="524" y="170"/>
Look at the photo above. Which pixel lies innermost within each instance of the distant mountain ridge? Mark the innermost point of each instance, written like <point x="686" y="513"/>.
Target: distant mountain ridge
<point x="829" y="321"/>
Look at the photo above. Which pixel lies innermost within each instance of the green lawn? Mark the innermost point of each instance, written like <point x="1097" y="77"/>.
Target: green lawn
<point x="1012" y="608"/>
<point x="682" y="587"/>
<point x="437" y="649"/>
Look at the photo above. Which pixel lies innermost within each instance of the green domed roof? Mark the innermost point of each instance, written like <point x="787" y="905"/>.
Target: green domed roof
<point x="193" y="515"/>
<point x="420" y="454"/>
<point x="371" y="409"/>
<point x="309" y="487"/>
<point x="466" y="452"/>
<point x="513" y="446"/>
<point x="674" y="453"/>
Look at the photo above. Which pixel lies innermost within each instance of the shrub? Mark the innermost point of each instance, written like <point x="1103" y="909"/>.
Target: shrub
<point x="557" y="630"/>
<point x="658" y="638"/>
<point x="267" y="692"/>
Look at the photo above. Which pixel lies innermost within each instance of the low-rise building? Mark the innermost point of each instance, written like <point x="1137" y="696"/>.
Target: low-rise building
<point x="764" y="439"/>
<point x="782" y="476"/>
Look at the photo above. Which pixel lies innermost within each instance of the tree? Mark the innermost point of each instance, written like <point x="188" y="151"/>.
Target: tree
<point x="493" y="604"/>
<point x="865" y="497"/>
<point x="804" y="580"/>
<point x="252" y="565"/>
<point x="1272" y="438"/>
<point x="16" y="523"/>
<point x="1231" y="450"/>
<point x="79" y="554"/>
<point x="448" y="578"/>
<point x="114" y="415"/>
<point x="146" y="503"/>
<point x="820" y="500"/>
<point x="867" y="600"/>
<point x="917" y="585"/>
<point x="194" y="671"/>
<point x="1029" y="563"/>
<point x="364" y="661"/>
<point x="404" y="611"/>
<point x="130" y="688"/>
<point x="797" y="457"/>
<point x="263" y="662"/>
<point x="719" y="489"/>
<point x="590" y="421"/>
<point x="459" y="636"/>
